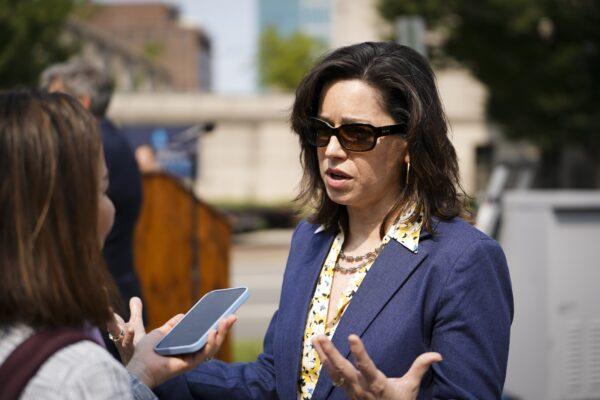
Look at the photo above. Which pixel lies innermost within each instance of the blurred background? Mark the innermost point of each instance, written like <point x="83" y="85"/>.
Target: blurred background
<point x="203" y="90"/>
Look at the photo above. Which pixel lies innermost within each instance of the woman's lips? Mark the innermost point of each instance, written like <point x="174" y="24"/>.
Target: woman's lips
<point x="336" y="179"/>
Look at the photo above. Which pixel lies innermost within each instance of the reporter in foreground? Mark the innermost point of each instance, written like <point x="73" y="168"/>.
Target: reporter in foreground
<point x="54" y="287"/>
<point x="385" y="270"/>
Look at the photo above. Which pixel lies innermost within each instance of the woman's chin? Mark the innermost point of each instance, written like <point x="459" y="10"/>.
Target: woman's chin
<point x="341" y="198"/>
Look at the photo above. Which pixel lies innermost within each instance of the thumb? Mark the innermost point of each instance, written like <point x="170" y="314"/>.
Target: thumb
<point x="421" y="364"/>
<point x="167" y="326"/>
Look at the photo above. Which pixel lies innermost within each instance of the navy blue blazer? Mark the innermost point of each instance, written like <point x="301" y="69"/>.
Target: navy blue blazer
<point x="454" y="296"/>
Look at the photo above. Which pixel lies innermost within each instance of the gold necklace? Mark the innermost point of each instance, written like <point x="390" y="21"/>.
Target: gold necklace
<point x="368" y="257"/>
<point x="350" y="270"/>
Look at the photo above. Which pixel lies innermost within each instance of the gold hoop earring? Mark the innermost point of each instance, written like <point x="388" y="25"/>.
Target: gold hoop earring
<point x="407" y="172"/>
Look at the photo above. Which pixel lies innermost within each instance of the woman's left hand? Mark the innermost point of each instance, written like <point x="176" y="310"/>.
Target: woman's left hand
<point x="129" y="333"/>
<point x="364" y="380"/>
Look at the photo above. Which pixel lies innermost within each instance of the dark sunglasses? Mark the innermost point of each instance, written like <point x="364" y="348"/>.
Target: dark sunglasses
<point x="353" y="137"/>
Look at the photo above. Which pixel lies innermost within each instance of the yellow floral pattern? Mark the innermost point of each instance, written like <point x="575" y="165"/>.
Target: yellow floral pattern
<point x="406" y="233"/>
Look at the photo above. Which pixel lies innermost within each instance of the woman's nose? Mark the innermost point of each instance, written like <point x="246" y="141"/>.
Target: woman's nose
<point x="334" y="149"/>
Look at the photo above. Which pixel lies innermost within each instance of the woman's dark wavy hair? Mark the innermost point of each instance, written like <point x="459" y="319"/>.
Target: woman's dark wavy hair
<point x="409" y="94"/>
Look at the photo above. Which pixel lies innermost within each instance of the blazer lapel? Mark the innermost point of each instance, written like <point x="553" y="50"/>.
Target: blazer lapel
<point x="391" y="269"/>
<point x="299" y="291"/>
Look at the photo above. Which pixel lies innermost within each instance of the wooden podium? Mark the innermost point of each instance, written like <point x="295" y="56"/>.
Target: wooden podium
<point x="181" y="250"/>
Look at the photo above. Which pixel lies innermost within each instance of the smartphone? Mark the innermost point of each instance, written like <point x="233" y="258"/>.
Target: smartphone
<point x="191" y="333"/>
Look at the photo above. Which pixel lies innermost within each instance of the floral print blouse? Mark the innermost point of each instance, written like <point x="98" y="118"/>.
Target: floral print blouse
<point x="406" y="233"/>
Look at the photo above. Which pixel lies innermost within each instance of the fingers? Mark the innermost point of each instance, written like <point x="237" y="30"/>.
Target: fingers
<point x="330" y="353"/>
<point x="135" y="319"/>
<point x="364" y="364"/>
<point x="174" y="321"/>
<point x="135" y="308"/>
<point x="135" y="314"/>
<point x="170" y="324"/>
<point x="421" y="365"/>
<point x="117" y="330"/>
<point x="225" y="325"/>
<point x="335" y="364"/>
<point x="220" y="334"/>
<point x="191" y="360"/>
<point x="118" y="319"/>
<point x="128" y="338"/>
<point x="115" y="325"/>
<point x="211" y="347"/>
<point x="122" y="335"/>
<point x="214" y="342"/>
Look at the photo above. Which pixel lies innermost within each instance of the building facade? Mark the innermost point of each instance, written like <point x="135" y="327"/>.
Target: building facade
<point x="153" y="32"/>
<point x="129" y="68"/>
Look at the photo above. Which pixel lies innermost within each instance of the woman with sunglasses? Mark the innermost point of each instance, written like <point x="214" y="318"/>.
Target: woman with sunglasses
<point x="385" y="270"/>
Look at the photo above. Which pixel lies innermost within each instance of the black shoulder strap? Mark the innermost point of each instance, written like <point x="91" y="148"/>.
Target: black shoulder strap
<point x="24" y="362"/>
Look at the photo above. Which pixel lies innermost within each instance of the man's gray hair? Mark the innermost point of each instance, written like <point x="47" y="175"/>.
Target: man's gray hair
<point x="80" y="78"/>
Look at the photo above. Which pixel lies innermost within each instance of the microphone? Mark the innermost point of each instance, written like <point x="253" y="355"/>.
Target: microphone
<point x="193" y="132"/>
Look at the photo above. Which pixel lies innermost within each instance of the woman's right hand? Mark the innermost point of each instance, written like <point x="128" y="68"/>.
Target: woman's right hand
<point x="153" y="369"/>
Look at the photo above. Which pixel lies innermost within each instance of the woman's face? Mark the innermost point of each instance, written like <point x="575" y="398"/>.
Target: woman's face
<point x="359" y="179"/>
<point x="106" y="209"/>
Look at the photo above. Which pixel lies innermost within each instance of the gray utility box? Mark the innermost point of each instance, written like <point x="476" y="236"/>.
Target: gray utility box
<point x="552" y="243"/>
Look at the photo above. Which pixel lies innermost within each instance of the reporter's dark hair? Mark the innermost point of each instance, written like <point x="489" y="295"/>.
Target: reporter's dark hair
<point x="51" y="268"/>
<point x="409" y="94"/>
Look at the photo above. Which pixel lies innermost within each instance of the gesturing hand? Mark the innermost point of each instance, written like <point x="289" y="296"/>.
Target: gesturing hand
<point x="364" y="380"/>
<point x="130" y="333"/>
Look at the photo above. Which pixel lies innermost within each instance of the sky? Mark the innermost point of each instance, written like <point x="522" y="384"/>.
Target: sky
<point x="232" y="26"/>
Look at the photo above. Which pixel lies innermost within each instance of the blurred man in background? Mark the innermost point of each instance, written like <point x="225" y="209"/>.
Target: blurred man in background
<point x="94" y="88"/>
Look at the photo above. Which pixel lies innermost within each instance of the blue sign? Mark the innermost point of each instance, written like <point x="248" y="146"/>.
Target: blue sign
<point x="174" y="156"/>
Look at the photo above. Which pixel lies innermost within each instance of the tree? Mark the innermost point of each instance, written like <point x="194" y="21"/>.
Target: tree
<point x="30" y="39"/>
<point x="283" y="61"/>
<point x="540" y="60"/>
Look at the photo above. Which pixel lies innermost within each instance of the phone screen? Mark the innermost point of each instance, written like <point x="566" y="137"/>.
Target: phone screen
<point x="201" y="317"/>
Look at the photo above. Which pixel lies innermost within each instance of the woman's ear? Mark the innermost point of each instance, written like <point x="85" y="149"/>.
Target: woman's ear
<point x="86" y="101"/>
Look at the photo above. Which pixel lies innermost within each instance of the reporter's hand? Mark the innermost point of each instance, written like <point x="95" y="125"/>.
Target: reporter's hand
<point x="364" y="380"/>
<point x="133" y="330"/>
<point x="153" y="369"/>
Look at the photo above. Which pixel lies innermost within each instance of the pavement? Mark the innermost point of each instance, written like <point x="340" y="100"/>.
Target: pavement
<point x="258" y="262"/>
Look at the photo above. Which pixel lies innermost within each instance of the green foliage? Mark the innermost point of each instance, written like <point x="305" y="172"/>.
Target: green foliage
<point x="283" y="61"/>
<point x="155" y="49"/>
<point x="246" y="350"/>
<point x="540" y="60"/>
<point x="30" y="33"/>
